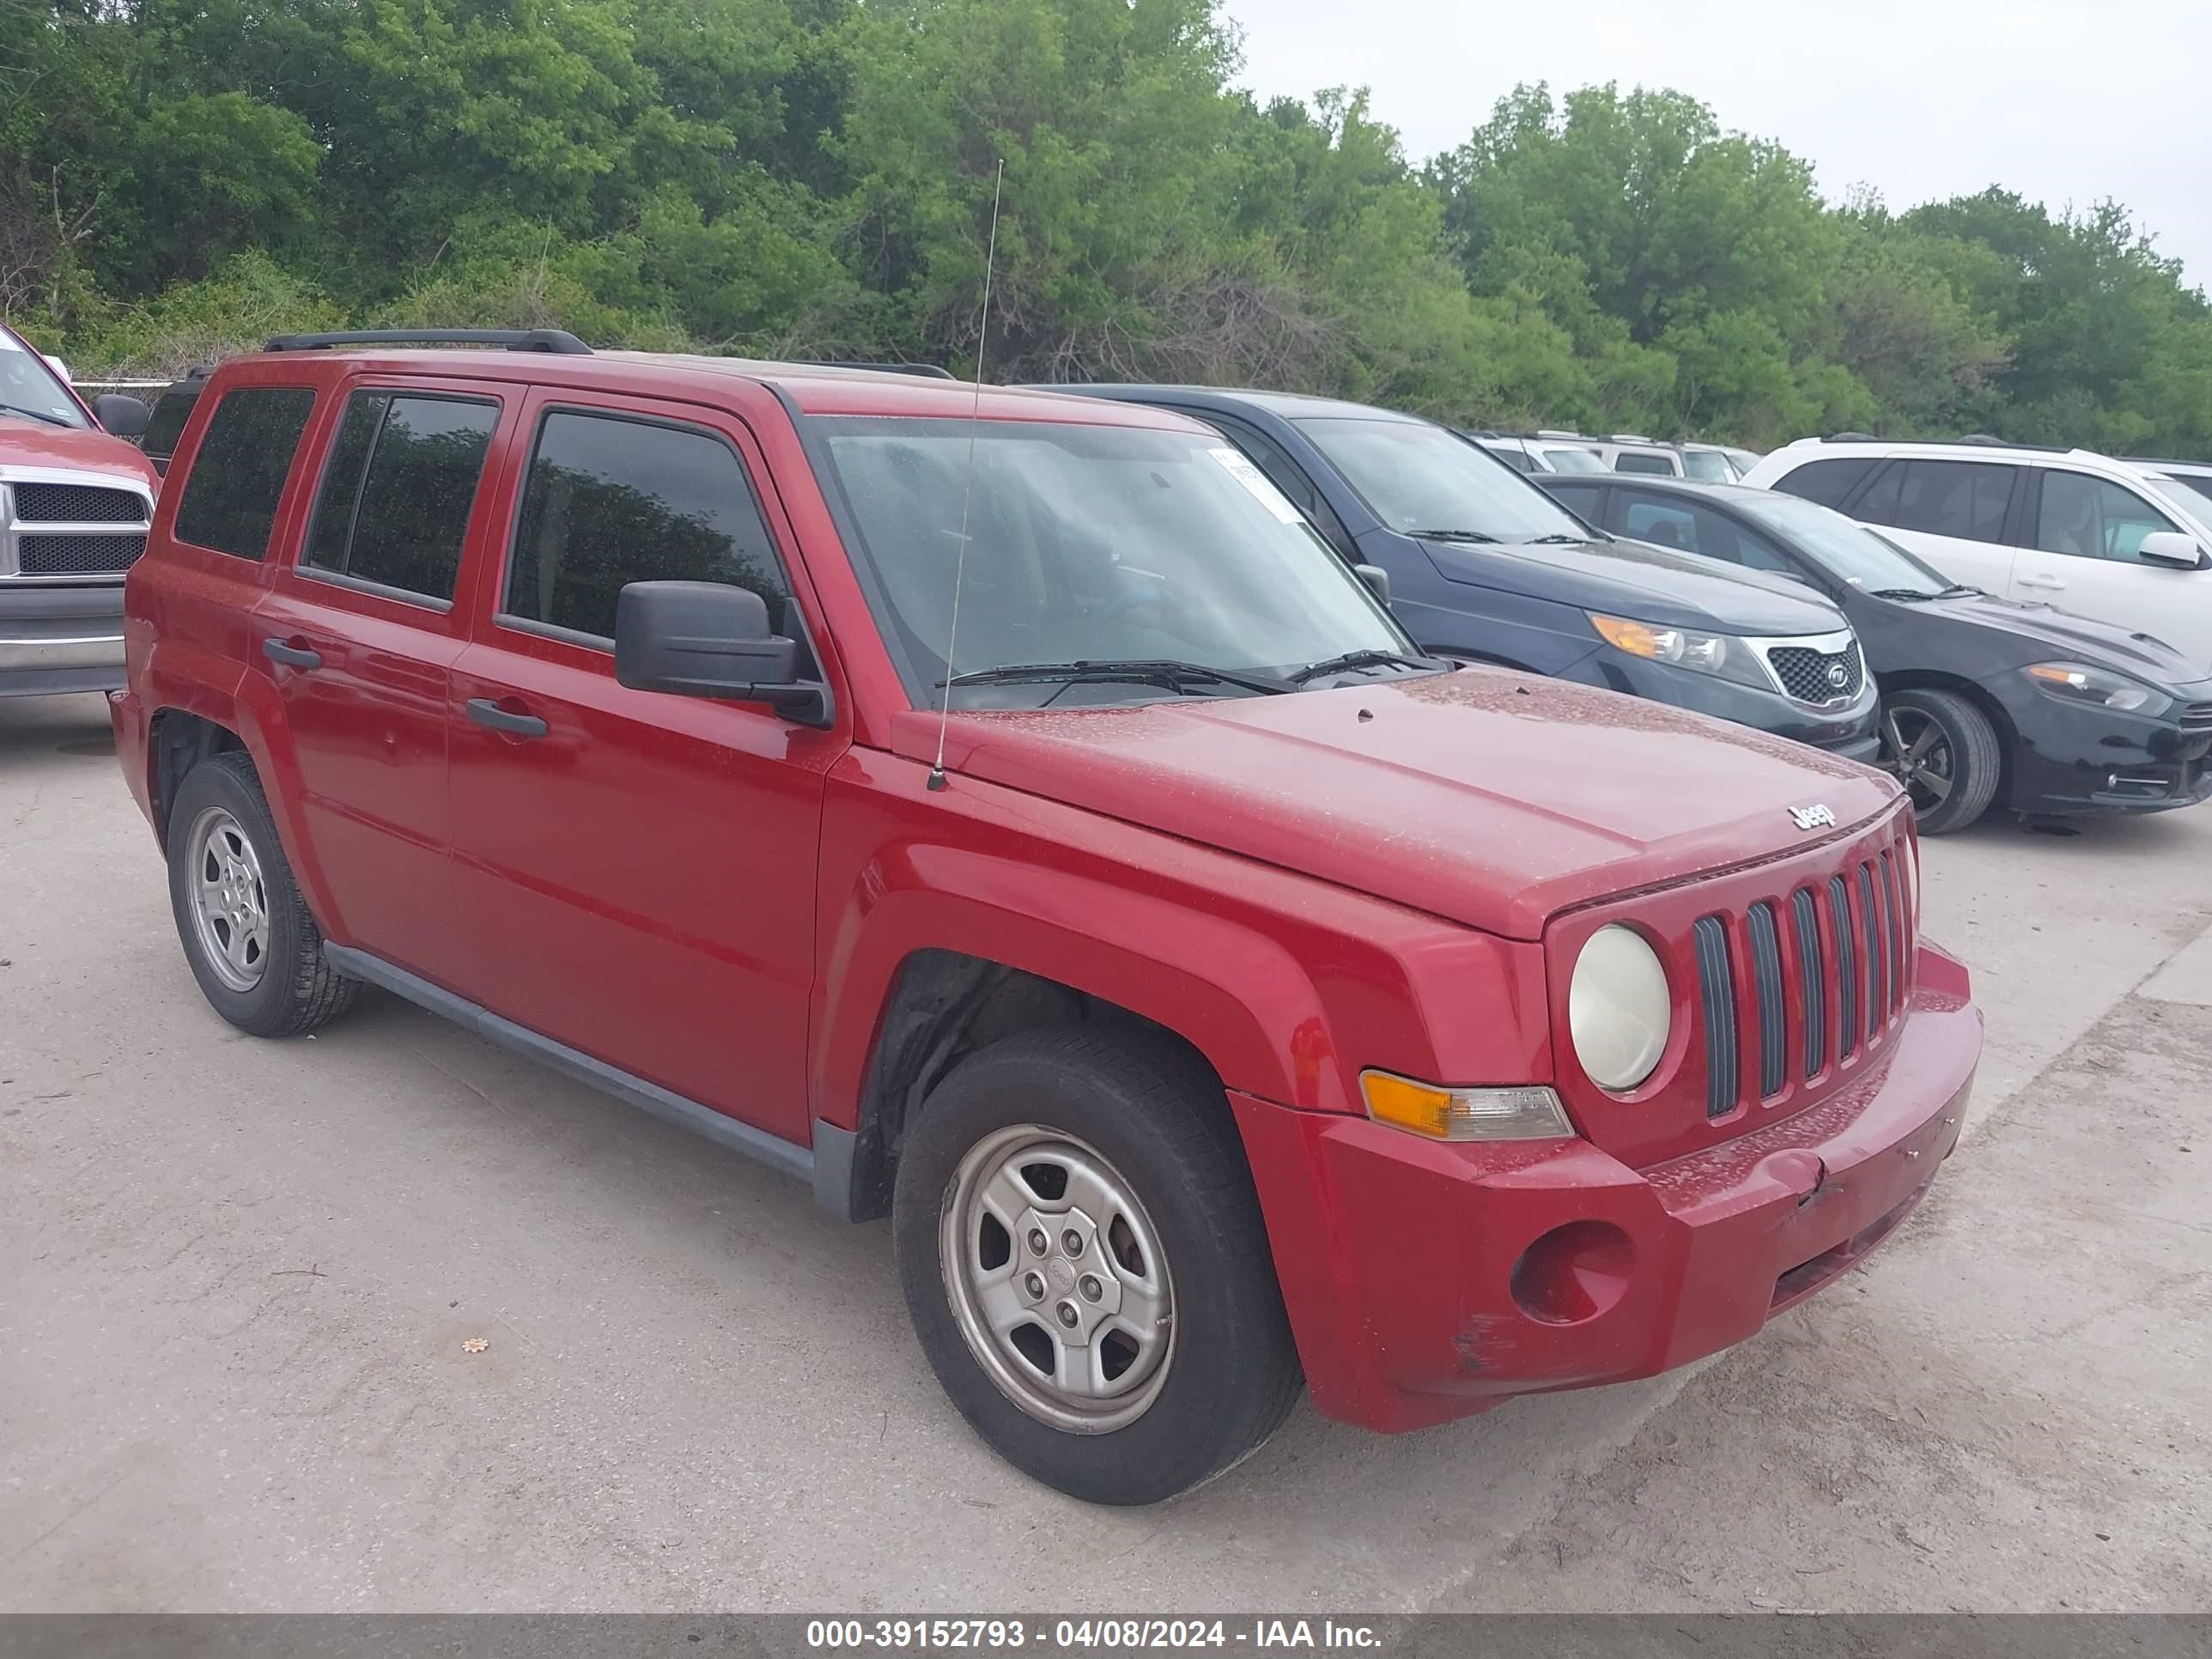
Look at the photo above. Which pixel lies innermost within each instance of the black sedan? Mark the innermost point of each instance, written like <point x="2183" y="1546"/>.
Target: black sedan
<point x="1983" y="699"/>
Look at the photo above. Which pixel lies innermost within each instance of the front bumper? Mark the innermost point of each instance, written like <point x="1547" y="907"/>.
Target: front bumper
<point x="1428" y="1282"/>
<point x="55" y="640"/>
<point x="2076" y="759"/>
<point x="1853" y="732"/>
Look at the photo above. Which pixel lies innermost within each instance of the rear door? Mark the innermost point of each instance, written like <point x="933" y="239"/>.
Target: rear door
<point x="1957" y="515"/>
<point x="2081" y="553"/>
<point x="360" y="631"/>
<point x="636" y="870"/>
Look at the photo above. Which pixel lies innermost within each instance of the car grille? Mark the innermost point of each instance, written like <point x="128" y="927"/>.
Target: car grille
<point x="1854" y="931"/>
<point x="77" y="555"/>
<point x="62" y="503"/>
<point x="1817" y="676"/>
<point x="57" y="529"/>
<point x="2196" y="717"/>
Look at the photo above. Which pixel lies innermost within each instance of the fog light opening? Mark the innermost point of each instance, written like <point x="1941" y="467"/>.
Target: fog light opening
<point x="1573" y="1274"/>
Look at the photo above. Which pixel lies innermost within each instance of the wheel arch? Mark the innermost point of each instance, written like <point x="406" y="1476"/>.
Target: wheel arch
<point x="929" y="977"/>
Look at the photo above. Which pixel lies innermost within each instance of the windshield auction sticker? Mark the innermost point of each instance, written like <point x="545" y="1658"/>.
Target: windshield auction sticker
<point x="1263" y="490"/>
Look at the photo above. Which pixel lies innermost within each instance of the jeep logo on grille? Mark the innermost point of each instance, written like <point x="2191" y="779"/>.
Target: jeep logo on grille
<point x="1813" y="817"/>
<point x="1838" y="675"/>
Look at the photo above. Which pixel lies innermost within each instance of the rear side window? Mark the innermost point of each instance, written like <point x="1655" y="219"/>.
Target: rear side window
<point x="2093" y="518"/>
<point x="1516" y="458"/>
<point x="167" y="422"/>
<point x="1827" y="481"/>
<point x="1964" y="499"/>
<point x="401" y="484"/>
<point x="1579" y="499"/>
<point x="610" y="501"/>
<point x="238" y="473"/>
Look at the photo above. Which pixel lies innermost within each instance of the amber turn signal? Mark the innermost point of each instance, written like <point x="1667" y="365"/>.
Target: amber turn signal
<point x="1523" y="1112"/>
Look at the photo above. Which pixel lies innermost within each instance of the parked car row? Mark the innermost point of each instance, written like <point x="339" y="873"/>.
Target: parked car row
<point x="1022" y="815"/>
<point x="1555" y="451"/>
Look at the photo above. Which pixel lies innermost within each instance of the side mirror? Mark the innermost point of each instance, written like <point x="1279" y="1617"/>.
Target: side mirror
<point x="1377" y="580"/>
<point x="2171" y="547"/>
<point x="709" y="640"/>
<point x="124" y="417"/>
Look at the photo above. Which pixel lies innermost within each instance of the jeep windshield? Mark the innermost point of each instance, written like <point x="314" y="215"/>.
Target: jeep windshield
<point x="1106" y="564"/>
<point x="30" y="389"/>
<point x="1424" y="483"/>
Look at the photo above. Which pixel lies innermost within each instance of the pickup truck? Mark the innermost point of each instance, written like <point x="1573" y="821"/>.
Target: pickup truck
<point x="1003" y="812"/>
<point x="75" y="498"/>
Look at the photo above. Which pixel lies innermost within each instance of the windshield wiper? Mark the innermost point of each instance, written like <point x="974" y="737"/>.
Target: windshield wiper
<point x="1351" y="659"/>
<point x="1451" y="535"/>
<point x="1958" y="590"/>
<point x="1909" y="595"/>
<point x="36" y="415"/>
<point x="1556" y="539"/>
<point x="1135" y="671"/>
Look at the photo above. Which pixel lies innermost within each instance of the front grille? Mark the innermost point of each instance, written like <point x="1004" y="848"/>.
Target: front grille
<point x="1851" y="931"/>
<point x="2196" y="717"/>
<point x="62" y="503"/>
<point x="77" y="555"/>
<point x="1819" y="677"/>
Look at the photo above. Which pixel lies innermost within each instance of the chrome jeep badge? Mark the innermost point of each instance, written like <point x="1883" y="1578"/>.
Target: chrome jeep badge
<point x="1813" y="817"/>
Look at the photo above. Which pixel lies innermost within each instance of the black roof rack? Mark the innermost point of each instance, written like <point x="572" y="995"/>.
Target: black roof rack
<point x="927" y="371"/>
<point x="514" y="339"/>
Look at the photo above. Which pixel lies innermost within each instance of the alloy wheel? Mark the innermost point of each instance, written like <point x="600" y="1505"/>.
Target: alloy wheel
<point x="1917" y="751"/>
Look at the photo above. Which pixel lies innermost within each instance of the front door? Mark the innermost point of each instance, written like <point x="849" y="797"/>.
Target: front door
<point x="359" y="633"/>
<point x="2083" y="555"/>
<point x="636" y="870"/>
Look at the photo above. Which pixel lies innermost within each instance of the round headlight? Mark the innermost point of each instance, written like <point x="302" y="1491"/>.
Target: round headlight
<point x="1619" y="1009"/>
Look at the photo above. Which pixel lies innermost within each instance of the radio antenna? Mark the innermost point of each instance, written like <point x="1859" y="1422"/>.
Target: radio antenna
<point x="968" y="488"/>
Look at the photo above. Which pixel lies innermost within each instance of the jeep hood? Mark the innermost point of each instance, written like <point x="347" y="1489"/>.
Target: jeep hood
<point x="1494" y="798"/>
<point x="35" y="443"/>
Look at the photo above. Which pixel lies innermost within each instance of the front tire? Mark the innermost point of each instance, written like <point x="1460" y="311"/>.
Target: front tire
<point x="1086" y="1264"/>
<point x="1944" y="750"/>
<point x="248" y="938"/>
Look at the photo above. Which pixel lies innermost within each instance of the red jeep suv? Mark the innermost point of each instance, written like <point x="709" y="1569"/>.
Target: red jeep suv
<point x="1001" y="810"/>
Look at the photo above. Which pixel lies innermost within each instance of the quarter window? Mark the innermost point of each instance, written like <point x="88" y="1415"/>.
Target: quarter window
<point x="401" y="485"/>
<point x="2093" y="519"/>
<point x="610" y="501"/>
<point x="1628" y="461"/>
<point x="238" y="475"/>
<point x="1963" y="499"/>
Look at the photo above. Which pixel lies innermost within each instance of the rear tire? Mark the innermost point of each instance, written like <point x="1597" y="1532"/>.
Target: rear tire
<point x="1155" y="1353"/>
<point x="255" y="950"/>
<point x="1944" y="750"/>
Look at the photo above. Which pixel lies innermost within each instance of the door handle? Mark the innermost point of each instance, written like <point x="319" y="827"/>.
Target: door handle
<point x="2042" y="582"/>
<point x="484" y="712"/>
<point x="291" y="656"/>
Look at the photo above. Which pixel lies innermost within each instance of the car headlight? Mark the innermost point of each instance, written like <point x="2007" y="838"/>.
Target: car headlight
<point x="1618" y="1008"/>
<point x="1720" y="654"/>
<point x="2074" y="682"/>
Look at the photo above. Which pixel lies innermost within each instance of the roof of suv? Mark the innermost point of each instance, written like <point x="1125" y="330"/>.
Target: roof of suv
<point x="811" y="388"/>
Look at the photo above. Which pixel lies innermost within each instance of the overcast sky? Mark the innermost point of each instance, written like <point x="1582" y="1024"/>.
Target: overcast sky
<point x="2065" y="101"/>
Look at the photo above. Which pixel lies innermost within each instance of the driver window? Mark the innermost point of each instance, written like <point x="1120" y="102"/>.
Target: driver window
<point x="2093" y="519"/>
